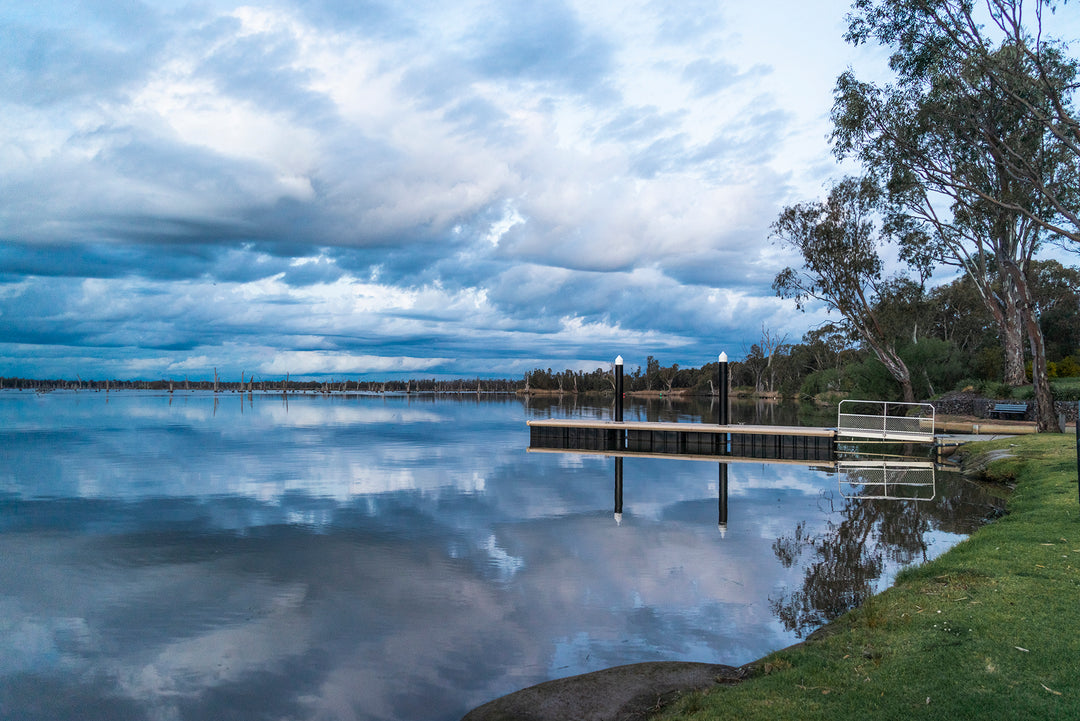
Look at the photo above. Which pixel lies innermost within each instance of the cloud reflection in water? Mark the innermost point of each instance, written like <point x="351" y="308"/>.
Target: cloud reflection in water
<point x="402" y="558"/>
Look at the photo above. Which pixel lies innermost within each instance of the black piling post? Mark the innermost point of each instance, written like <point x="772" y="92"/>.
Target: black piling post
<point x="723" y="411"/>
<point x="618" y="388"/>
<point x="723" y="417"/>
<point x="723" y="499"/>
<point x="618" y="489"/>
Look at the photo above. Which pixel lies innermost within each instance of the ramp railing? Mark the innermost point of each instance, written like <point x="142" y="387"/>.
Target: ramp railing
<point x="887" y="480"/>
<point x="886" y="420"/>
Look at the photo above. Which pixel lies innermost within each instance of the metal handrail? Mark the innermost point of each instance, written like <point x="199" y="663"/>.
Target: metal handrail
<point x="883" y="426"/>
<point x="910" y="476"/>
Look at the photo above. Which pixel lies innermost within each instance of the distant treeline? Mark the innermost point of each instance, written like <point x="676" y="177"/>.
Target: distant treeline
<point x="476" y="385"/>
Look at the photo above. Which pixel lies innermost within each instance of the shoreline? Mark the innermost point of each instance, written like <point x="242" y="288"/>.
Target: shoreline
<point x="616" y="693"/>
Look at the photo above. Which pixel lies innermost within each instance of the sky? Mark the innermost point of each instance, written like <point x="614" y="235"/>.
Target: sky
<point x="369" y="189"/>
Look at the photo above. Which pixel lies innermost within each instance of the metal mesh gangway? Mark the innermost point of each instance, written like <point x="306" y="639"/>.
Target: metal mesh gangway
<point x="886" y="420"/>
<point x="887" y="480"/>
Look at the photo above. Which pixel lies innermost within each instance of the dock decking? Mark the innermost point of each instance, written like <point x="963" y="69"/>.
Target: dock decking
<point x="690" y="439"/>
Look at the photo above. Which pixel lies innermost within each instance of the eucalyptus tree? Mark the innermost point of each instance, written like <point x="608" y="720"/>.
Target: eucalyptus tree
<point x="939" y="175"/>
<point x="1036" y="79"/>
<point x="976" y="171"/>
<point x="842" y="265"/>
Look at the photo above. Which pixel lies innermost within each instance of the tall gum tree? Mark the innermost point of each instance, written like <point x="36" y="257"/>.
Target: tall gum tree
<point x="931" y="38"/>
<point x="938" y="175"/>
<point x="841" y="265"/>
<point x="974" y="144"/>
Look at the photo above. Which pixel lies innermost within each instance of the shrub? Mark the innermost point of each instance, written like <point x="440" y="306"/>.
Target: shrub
<point x="1067" y="367"/>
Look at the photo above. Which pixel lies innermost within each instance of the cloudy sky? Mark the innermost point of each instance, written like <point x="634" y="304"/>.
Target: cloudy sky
<point x="386" y="189"/>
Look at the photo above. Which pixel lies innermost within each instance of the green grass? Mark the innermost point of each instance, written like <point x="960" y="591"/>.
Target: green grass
<point x="989" y="630"/>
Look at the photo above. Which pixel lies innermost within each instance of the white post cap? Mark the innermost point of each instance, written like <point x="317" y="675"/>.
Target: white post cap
<point x="618" y="360"/>
<point x="723" y="357"/>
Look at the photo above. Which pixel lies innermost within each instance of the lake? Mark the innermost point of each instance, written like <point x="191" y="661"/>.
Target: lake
<point x="192" y="556"/>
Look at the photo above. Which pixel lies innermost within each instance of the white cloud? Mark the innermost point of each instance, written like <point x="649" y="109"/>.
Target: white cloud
<point x="304" y="362"/>
<point x="443" y="182"/>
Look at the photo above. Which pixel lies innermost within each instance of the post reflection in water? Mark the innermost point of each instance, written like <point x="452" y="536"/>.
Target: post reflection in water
<point x="722" y="487"/>
<point x="722" y="522"/>
<point x="618" y="490"/>
<point x="881" y="525"/>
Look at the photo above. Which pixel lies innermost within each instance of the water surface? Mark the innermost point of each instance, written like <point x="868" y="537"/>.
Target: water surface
<point x="387" y="557"/>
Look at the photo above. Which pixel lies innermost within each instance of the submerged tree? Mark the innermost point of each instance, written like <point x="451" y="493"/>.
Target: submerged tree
<point x="842" y="266"/>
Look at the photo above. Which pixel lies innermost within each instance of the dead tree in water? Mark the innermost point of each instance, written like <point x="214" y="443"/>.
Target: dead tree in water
<point x="215" y="380"/>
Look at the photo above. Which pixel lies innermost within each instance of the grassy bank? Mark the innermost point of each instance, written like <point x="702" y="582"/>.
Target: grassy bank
<point x="989" y="630"/>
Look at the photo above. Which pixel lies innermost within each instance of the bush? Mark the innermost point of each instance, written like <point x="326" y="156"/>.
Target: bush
<point x="1066" y="389"/>
<point x="935" y="366"/>
<point x="823" y="381"/>
<point x="1067" y="367"/>
<point x="870" y="379"/>
<point x="994" y="389"/>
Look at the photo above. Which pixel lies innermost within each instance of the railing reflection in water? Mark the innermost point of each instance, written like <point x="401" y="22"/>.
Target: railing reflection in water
<point x="886" y="516"/>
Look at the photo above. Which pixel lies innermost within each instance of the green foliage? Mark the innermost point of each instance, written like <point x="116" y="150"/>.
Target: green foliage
<point x="1056" y="290"/>
<point x="1067" y="367"/>
<point x="870" y="379"/>
<point x="1067" y="389"/>
<point x="936" y="366"/>
<point x="993" y="389"/>
<point x="822" y="382"/>
<point x="988" y="362"/>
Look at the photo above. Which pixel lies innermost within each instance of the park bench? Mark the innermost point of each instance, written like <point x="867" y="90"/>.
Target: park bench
<point x="1009" y="409"/>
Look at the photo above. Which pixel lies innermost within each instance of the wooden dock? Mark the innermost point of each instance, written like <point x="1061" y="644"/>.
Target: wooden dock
<point x="686" y="439"/>
<point x="807" y="462"/>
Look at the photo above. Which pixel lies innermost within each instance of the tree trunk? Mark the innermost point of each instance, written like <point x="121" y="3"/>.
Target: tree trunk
<point x="1045" y="413"/>
<point x="894" y="364"/>
<point x="1013" y="336"/>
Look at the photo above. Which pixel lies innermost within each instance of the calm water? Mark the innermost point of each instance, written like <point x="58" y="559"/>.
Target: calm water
<point x="395" y="558"/>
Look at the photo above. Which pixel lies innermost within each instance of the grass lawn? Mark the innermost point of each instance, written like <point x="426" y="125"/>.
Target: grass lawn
<point x="989" y="630"/>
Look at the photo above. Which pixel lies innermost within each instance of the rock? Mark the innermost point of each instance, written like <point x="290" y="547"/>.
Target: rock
<point x="621" y="693"/>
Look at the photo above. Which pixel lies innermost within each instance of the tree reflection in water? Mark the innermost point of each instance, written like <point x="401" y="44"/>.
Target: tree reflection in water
<point x="850" y="555"/>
